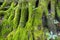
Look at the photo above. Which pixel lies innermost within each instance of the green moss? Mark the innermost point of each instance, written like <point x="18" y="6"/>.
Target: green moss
<point x="23" y="21"/>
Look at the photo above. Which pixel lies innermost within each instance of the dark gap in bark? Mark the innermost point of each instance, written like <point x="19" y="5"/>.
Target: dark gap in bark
<point x="16" y="3"/>
<point x="44" y="19"/>
<point x="19" y="16"/>
<point x="27" y="12"/>
<point x="37" y="3"/>
<point x="27" y="15"/>
<point x="49" y="7"/>
<point x="56" y="16"/>
<point x="1" y="3"/>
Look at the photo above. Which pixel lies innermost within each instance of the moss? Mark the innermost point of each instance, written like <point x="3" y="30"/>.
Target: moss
<point x="23" y="19"/>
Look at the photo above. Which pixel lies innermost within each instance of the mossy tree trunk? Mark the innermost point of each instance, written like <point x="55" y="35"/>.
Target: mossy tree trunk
<point x="22" y="20"/>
